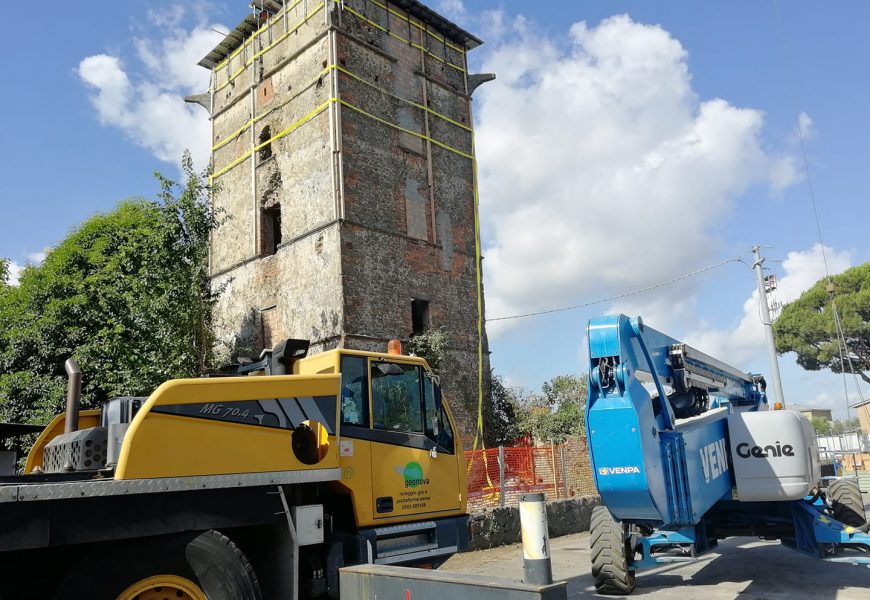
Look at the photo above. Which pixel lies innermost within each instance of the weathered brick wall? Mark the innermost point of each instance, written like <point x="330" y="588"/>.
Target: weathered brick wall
<point x="372" y="213"/>
<point x="409" y="204"/>
<point x="275" y="81"/>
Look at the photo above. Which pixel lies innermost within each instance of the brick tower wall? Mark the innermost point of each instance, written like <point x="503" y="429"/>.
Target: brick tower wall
<point x="375" y="193"/>
<point x="408" y="201"/>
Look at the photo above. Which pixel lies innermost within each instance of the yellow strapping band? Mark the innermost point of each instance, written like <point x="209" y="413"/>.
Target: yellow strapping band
<point x="400" y="38"/>
<point x="313" y="12"/>
<point x="477" y="256"/>
<point x="284" y="132"/>
<point x="419" y="26"/>
<point x="397" y="97"/>
<point x="425" y="138"/>
<point x="320" y="75"/>
<point x="284" y="36"/>
<point x="319" y="110"/>
<point x="256" y="34"/>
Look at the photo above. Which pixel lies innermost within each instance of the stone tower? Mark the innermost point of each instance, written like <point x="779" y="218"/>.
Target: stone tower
<point x="343" y="156"/>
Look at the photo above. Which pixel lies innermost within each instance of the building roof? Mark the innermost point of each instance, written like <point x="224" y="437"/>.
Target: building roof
<point x="250" y="24"/>
<point x="231" y="41"/>
<point x="804" y="408"/>
<point x="450" y="30"/>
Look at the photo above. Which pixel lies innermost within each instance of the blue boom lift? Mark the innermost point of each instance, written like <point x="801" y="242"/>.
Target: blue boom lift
<point x="686" y="452"/>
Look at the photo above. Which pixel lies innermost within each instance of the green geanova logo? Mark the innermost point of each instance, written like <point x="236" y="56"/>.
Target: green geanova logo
<point x="413" y="474"/>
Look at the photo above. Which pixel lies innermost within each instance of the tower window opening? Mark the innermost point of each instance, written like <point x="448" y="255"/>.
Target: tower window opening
<point x="271" y="229"/>
<point x="419" y="316"/>
<point x="265" y="136"/>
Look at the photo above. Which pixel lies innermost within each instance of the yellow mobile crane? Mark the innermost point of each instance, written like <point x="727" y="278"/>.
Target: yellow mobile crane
<point x="257" y="485"/>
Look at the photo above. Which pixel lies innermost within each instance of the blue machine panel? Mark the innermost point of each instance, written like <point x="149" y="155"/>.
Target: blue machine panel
<point x="665" y="471"/>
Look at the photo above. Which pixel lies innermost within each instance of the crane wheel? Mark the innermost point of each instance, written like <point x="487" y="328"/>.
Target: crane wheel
<point x="847" y="505"/>
<point x="611" y="555"/>
<point x="194" y="566"/>
<point x="158" y="587"/>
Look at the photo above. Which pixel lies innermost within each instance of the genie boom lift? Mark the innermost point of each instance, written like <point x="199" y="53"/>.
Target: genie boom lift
<point x="685" y="452"/>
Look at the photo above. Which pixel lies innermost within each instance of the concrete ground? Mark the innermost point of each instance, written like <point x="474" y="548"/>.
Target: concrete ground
<point x="743" y="568"/>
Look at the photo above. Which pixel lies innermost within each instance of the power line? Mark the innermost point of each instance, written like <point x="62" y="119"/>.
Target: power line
<point x="624" y="295"/>
<point x="842" y="345"/>
<point x="800" y="131"/>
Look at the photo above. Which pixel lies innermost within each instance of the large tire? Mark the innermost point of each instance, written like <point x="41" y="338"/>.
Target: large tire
<point x="611" y="555"/>
<point x="847" y="505"/>
<point x="209" y="561"/>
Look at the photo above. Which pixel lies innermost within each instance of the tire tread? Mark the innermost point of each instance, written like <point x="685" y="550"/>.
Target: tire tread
<point x="610" y="569"/>
<point x="847" y="504"/>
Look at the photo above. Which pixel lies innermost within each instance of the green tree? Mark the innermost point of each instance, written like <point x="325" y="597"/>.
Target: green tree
<point x="431" y="345"/>
<point x="557" y="412"/>
<point x="807" y="325"/>
<point x="501" y="413"/>
<point x="821" y="425"/>
<point x="846" y="426"/>
<point x="126" y="293"/>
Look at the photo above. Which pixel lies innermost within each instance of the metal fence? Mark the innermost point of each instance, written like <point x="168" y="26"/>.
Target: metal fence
<point x="499" y="476"/>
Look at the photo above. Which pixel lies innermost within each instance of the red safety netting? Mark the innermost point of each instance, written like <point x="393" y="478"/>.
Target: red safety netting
<point x="559" y="471"/>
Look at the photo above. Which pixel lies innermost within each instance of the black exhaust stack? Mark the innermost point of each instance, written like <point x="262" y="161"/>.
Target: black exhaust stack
<point x="73" y="395"/>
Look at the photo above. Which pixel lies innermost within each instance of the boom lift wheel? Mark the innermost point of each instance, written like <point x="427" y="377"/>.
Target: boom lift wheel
<point x="193" y="566"/>
<point x="847" y="505"/>
<point x="611" y="554"/>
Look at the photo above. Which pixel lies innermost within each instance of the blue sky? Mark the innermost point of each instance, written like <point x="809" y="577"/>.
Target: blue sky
<point x="664" y="134"/>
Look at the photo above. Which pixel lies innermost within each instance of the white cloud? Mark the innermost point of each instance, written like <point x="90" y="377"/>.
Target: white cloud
<point x="13" y="272"/>
<point x="452" y="9"/>
<point x="14" y="269"/>
<point x="36" y="258"/>
<point x="836" y="404"/>
<point x="805" y="123"/>
<point x="745" y="341"/>
<point x="147" y="103"/>
<point x="601" y="170"/>
<point x="166" y="16"/>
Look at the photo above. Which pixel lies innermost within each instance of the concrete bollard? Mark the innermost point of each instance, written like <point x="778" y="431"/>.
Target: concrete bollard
<point x="536" y="540"/>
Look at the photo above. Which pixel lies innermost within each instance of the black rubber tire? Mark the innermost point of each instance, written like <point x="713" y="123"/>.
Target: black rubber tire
<point x="209" y="559"/>
<point x="847" y="505"/>
<point x="611" y="567"/>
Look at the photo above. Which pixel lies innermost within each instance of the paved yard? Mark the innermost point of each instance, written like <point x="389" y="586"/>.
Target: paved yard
<point x="742" y="568"/>
<point x="745" y="568"/>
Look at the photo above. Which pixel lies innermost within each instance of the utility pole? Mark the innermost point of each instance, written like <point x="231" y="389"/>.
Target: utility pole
<point x="768" y="327"/>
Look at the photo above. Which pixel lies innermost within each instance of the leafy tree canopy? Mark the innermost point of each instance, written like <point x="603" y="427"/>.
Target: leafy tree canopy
<point x="501" y="414"/>
<point x="431" y="345"/>
<point x="807" y="326"/>
<point x="126" y="293"/>
<point x="557" y="411"/>
<point x="824" y="427"/>
<point x="821" y="425"/>
<point x="846" y="426"/>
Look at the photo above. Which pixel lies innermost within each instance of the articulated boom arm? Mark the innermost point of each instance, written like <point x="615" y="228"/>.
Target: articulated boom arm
<point x="620" y="347"/>
<point x="698" y="459"/>
<point x="645" y="448"/>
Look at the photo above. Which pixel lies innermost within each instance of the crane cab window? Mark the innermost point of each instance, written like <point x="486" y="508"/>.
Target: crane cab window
<point x="354" y="391"/>
<point x="397" y="403"/>
<point x="438" y="427"/>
